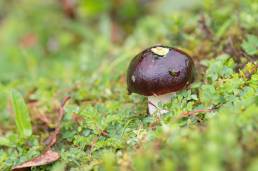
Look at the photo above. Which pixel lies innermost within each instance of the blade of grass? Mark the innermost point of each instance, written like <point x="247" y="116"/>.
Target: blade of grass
<point x="22" y="117"/>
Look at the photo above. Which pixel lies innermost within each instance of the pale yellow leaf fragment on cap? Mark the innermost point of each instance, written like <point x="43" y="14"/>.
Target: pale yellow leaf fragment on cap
<point x="161" y="51"/>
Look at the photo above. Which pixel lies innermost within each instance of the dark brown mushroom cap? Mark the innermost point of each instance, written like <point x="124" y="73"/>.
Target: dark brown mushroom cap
<point x="159" y="70"/>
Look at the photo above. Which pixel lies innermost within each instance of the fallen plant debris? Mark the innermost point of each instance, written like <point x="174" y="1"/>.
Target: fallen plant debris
<point x="53" y="138"/>
<point x="76" y="118"/>
<point x="49" y="155"/>
<point x="194" y="113"/>
<point x="69" y="7"/>
<point x="205" y="28"/>
<point x="43" y="118"/>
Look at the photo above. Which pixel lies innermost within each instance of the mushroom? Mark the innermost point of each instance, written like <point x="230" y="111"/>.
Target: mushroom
<point x="159" y="72"/>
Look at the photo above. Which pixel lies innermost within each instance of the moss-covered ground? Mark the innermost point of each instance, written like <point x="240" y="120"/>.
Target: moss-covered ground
<point x="45" y="55"/>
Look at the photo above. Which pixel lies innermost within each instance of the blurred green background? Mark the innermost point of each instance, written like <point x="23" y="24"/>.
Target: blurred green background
<point x="81" y="48"/>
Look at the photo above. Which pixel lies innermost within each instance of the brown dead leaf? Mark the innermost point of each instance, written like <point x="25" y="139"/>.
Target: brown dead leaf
<point x="43" y="118"/>
<point x="38" y="114"/>
<point x="29" y="40"/>
<point x="48" y="157"/>
<point x="69" y="7"/>
<point x="77" y="118"/>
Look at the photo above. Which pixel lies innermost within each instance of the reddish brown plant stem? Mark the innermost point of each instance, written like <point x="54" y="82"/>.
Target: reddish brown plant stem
<point x="52" y="139"/>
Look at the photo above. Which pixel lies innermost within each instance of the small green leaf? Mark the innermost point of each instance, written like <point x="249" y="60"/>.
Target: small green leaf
<point x="221" y="31"/>
<point x="22" y="118"/>
<point x="250" y="46"/>
<point x="4" y="141"/>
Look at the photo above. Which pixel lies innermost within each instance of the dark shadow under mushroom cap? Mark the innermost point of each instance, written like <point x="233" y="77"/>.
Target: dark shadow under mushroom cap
<point x="152" y="74"/>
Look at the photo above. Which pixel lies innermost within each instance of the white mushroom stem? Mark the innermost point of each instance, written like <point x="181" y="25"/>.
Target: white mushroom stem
<point x="155" y="100"/>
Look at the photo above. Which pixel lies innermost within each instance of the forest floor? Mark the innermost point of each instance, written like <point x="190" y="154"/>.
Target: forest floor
<point x="63" y="88"/>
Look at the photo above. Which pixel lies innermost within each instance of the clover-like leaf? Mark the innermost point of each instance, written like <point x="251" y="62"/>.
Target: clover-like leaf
<point x="250" y="45"/>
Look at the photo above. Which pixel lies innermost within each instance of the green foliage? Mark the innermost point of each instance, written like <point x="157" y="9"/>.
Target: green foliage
<point x="251" y="45"/>
<point x="49" y="56"/>
<point x="22" y="117"/>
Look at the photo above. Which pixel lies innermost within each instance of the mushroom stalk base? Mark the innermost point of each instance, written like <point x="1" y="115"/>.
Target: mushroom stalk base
<point x="154" y="101"/>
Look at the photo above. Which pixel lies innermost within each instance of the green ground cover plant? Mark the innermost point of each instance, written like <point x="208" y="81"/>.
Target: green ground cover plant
<point x="47" y="54"/>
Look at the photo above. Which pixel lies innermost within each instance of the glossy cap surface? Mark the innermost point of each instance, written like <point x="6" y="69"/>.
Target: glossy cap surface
<point x="159" y="70"/>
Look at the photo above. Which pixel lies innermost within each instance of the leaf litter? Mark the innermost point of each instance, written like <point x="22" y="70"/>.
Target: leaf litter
<point x="48" y="156"/>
